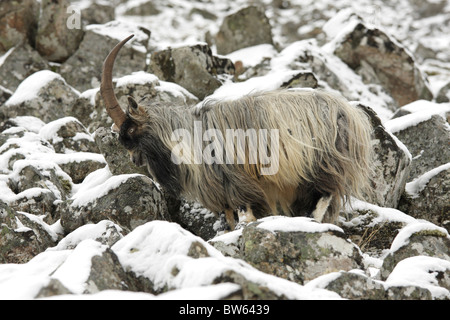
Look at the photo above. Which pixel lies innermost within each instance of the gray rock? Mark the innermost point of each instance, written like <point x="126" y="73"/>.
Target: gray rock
<point x="19" y="63"/>
<point x="428" y="197"/>
<point x="370" y="231"/>
<point x="425" y="140"/>
<point x="68" y="135"/>
<point x="390" y="167"/>
<point x="382" y="60"/>
<point x="300" y="255"/>
<point x="98" y="13"/>
<point x="192" y="67"/>
<point x="18" y="22"/>
<point x="443" y="94"/>
<point x="45" y="95"/>
<point x="5" y="94"/>
<point x="413" y="240"/>
<point x="54" y="40"/>
<point x="128" y="200"/>
<point x="83" y="69"/>
<point x="245" y="28"/>
<point x="22" y="236"/>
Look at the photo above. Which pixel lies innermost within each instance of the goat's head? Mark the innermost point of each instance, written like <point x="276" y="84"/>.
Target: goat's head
<point x="129" y="125"/>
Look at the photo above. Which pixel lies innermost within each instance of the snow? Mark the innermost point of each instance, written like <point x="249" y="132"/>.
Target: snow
<point x="296" y="224"/>
<point x="252" y="56"/>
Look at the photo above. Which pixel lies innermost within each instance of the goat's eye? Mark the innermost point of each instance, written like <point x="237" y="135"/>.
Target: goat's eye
<point x="130" y="131"/>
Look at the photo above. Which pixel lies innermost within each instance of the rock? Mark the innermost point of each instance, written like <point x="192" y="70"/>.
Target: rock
<point x="380" y="59"/>
<point x="146" y="8"/>
<point x="302" y="80"/>
<point x="351" y="285"/>
<point x="54" y="40"/>
<point x="430" y="274"/>
<point x="373" y="228"/>
<point x="106" y="232"/>
<point x="22" y="236"/>
<point x="171" y="258"/>
<point x="418" y="239"/>
<point x="19" y="63"/>
<point x="98" y="269"/>
<point x="83" y="69"/>
<point x="443" y="94"/>
<point x="45" y="95"/>
<point x="145" y="87"/>
<point x="128" y="200"/>
<point x="332" y="73"/>
<point x="18" y="22"/>
<point x="68" y="135"/>
<point x="298" y="249"/>
<point x="5" y="94"/>
<point x="423" y="134"/>
<point x="195" y="218"/>
<point x="28" y="174"/>
<point x="390" y="166"/>
<point x="98" y="13"/>
<point x="427" y="197"/>
<point x="192" y="67"/>
<point x="245" y="28"/>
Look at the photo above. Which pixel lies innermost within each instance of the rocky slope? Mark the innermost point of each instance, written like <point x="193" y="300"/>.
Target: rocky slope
<point x="78" y="219"/>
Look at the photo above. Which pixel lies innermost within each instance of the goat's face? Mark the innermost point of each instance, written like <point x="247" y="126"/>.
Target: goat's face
<point x="131" y="132"/>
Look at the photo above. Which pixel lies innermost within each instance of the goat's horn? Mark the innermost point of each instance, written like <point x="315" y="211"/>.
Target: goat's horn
<point x="106" y="88"/>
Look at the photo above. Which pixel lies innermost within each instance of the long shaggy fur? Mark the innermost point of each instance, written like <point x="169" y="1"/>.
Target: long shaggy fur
<point x="324" y="152"/>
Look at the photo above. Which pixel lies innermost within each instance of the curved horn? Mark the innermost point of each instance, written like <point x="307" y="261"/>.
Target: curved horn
<point x="106" y="88"/>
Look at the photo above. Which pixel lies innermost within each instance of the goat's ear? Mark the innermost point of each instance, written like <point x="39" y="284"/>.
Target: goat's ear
<point x="132" y="104"/>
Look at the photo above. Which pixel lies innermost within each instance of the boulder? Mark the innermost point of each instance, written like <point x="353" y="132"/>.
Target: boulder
<point x="55" y="41"/>
<point x="298" y="249"/>
<point x="246" y="28"/>
<point x="83" y="69"/>
<point x="427" y="197"/>
<point x="380" y="59"/>
<point x="423" y="133"/>
<point x="427" y="273"/>
<point x="98" y="12"/>
<point x="128" y="200"/>
<point x="22" y="236"/>
<point x="45" y="95"/>
<point x="19" y="63"/>
<point x="18" y="22"/>
<point x="5" y="94"/>
<point x="171" y="258"/>
<point x="390" y="164"/>
<point x="373" y="228"/>
<point x="192" y="67"/>
<point x="417" y="239"/>
<point x="68" y="135"/>
<point x="443" y="94"/>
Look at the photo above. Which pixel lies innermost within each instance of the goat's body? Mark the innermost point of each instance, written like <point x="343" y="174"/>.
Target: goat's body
<point x="324" y="151"/>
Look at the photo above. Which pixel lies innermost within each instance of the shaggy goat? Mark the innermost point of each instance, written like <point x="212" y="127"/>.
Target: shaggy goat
<point x="320" y="150"/>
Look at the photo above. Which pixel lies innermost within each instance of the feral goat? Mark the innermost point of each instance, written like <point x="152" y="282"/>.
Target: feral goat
<point x="321" y="150"/>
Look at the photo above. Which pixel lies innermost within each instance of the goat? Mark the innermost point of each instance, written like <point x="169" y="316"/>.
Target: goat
<point x="322" y="150"/>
